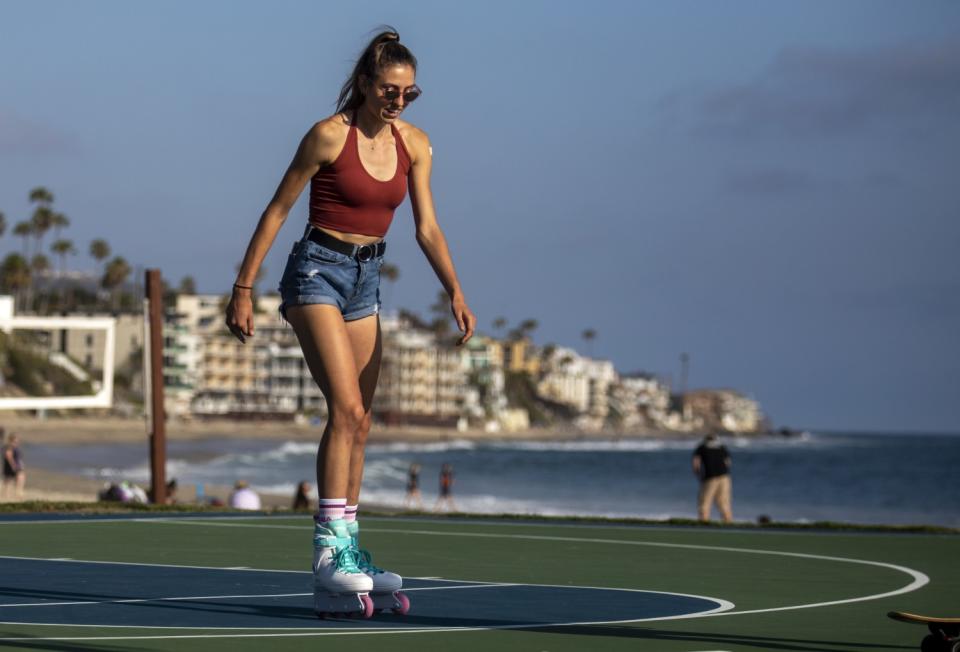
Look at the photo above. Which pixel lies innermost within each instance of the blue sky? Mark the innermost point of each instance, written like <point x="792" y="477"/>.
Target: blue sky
<point x="767" y="186"/>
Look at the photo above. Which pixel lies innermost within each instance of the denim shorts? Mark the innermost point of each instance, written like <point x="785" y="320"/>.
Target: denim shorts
<point x="316" y="274"/>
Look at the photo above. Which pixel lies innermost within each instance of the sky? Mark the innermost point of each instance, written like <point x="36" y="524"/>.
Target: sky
<point x="770" y="187"/>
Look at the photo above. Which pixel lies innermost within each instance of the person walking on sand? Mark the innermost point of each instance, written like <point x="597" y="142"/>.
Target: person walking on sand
<point x="446" y="489"/>
<point x="413" y="488"/>
<point x="711" y="464"/>
<point x="14" y="474"/>
<point x="360" y="163"/>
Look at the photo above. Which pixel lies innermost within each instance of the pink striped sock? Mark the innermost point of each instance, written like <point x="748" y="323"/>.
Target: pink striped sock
<point x="350" y="513"/>
<point x="330" y="509"/>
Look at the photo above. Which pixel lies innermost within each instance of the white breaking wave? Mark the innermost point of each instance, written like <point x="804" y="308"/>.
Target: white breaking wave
<point x="597" y="445"/>
<point x="487" y="504"/>
<point x="426" y="447"/>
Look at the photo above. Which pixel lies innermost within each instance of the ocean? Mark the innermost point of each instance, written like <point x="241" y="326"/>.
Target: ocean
<point x="856" y="478"/>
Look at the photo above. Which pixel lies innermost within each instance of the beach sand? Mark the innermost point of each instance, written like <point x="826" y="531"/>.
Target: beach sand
<point x="43" y="484"/>
<point x="79" y="430"/>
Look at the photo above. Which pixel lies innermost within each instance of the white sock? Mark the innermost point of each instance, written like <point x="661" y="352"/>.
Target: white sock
<point x="350" y="513"/>
<point x="330" y="509"/>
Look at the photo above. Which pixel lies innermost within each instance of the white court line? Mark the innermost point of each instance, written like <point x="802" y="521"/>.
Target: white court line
<point x="463" y="586"/>
<point x="722" y="605"/>
<point x="216" y="568"/>
<point x="183" y="598"/>
<point x="173" y="599"/>
<point x="918" y="579"/>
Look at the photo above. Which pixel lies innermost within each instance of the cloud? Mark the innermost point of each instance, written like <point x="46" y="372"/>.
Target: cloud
<point x="807" y="92"/>
<point x="21" y="135"/>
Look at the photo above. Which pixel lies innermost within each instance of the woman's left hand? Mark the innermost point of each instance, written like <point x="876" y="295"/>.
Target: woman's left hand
<point x="466" y="320"/>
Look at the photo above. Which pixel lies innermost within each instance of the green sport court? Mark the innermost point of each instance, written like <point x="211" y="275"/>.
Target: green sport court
<point x="163" y="581"/>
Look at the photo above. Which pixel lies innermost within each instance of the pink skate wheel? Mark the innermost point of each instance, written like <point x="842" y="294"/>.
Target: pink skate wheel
<point x="404" y="603"/>
<point x="367" y="606"/>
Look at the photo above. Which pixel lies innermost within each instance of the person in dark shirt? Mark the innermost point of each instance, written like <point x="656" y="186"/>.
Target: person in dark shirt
<point x="14" y="475"/>
<point x="711" y="464"/>
<point x="413" y="487"/>
<point x="446" y="489"/>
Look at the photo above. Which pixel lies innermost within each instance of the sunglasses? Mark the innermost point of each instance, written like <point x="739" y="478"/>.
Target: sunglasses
<point x="390" y="93"/>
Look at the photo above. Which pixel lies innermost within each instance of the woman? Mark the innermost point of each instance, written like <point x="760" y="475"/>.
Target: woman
<point x="301" y="498"/>
<point x="360" y="163"/>
<point x="13" y="470"/>
<point x="413" y="487"/>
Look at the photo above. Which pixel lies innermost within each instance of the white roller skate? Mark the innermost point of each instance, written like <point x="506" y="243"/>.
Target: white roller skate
<point x="340" y="588"/>
<point x="386" y="593"/>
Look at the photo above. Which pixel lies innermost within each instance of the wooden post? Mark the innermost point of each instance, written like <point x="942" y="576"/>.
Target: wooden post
<point x="158" y="437"/>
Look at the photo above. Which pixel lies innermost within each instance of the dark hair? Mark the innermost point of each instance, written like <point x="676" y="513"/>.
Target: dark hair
<point x="384" y="50"/>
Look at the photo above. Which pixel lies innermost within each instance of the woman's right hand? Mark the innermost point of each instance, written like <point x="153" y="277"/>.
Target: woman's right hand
<point x="240" y="314"/>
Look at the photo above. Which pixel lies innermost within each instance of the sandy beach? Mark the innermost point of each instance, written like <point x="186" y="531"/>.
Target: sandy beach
<point x="44" y="484"/>
<point x="80" y="430"/>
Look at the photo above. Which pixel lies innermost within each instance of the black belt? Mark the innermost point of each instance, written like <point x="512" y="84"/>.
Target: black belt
<point x="360" y="252"/>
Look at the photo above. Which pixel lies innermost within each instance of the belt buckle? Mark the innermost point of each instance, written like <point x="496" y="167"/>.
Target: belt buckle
<point x="365" y="252"/>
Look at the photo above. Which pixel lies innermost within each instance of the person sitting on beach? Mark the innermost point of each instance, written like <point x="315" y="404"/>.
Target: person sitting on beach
<point x="14" y="475"/>
<point x="243" y="497"/>
<point x="301" y="499"/>
<point x="171" y="498"/>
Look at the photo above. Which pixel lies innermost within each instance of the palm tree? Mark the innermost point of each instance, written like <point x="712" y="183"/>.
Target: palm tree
<point x="60" y="222"/>
<point x="42" y="221"/>
<point x="114" y="276"/>
<point x="99" y="250"/>
<point x="42" y="218"/>
<point x="39" y="265"/>
<point x="187" y="285"/>
<point x="3" y="223"/>
<point x="499" y="324"/>
<point x="41" y="195"/>
<point x="23" y="230"/>
<point x="523" y="331"/>
<point x="15" y="276"/>
<point x="588" y="336"/>
<point x="63" y="248"/>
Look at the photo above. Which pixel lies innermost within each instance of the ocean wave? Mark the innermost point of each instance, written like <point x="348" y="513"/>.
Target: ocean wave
<point x="425" y="447"/>
<point x="488" y="504"/>
<point x="596" y="445"/>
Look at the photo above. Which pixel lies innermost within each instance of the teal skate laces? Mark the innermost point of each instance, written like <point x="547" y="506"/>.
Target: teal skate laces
<point x="346" y="560"/>
<point x="365" y="561"/>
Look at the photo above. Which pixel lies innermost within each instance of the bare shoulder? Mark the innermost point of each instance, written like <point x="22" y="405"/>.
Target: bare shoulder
<point x="416" y="139"/>
<point x="326" y="137"/>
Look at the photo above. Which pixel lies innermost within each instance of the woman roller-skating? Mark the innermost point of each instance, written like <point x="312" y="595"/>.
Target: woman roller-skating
<point x="360" y="163"/>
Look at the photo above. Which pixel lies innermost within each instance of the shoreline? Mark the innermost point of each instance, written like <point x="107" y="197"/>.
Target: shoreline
<point x="89" y="430"/>
<point x="56" y="485"/>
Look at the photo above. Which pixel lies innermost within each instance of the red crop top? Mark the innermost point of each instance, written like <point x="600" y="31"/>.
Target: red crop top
<point x="344" y="197"/>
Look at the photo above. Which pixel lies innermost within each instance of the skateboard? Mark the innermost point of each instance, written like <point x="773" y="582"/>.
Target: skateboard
<point x="944" y="633"/>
